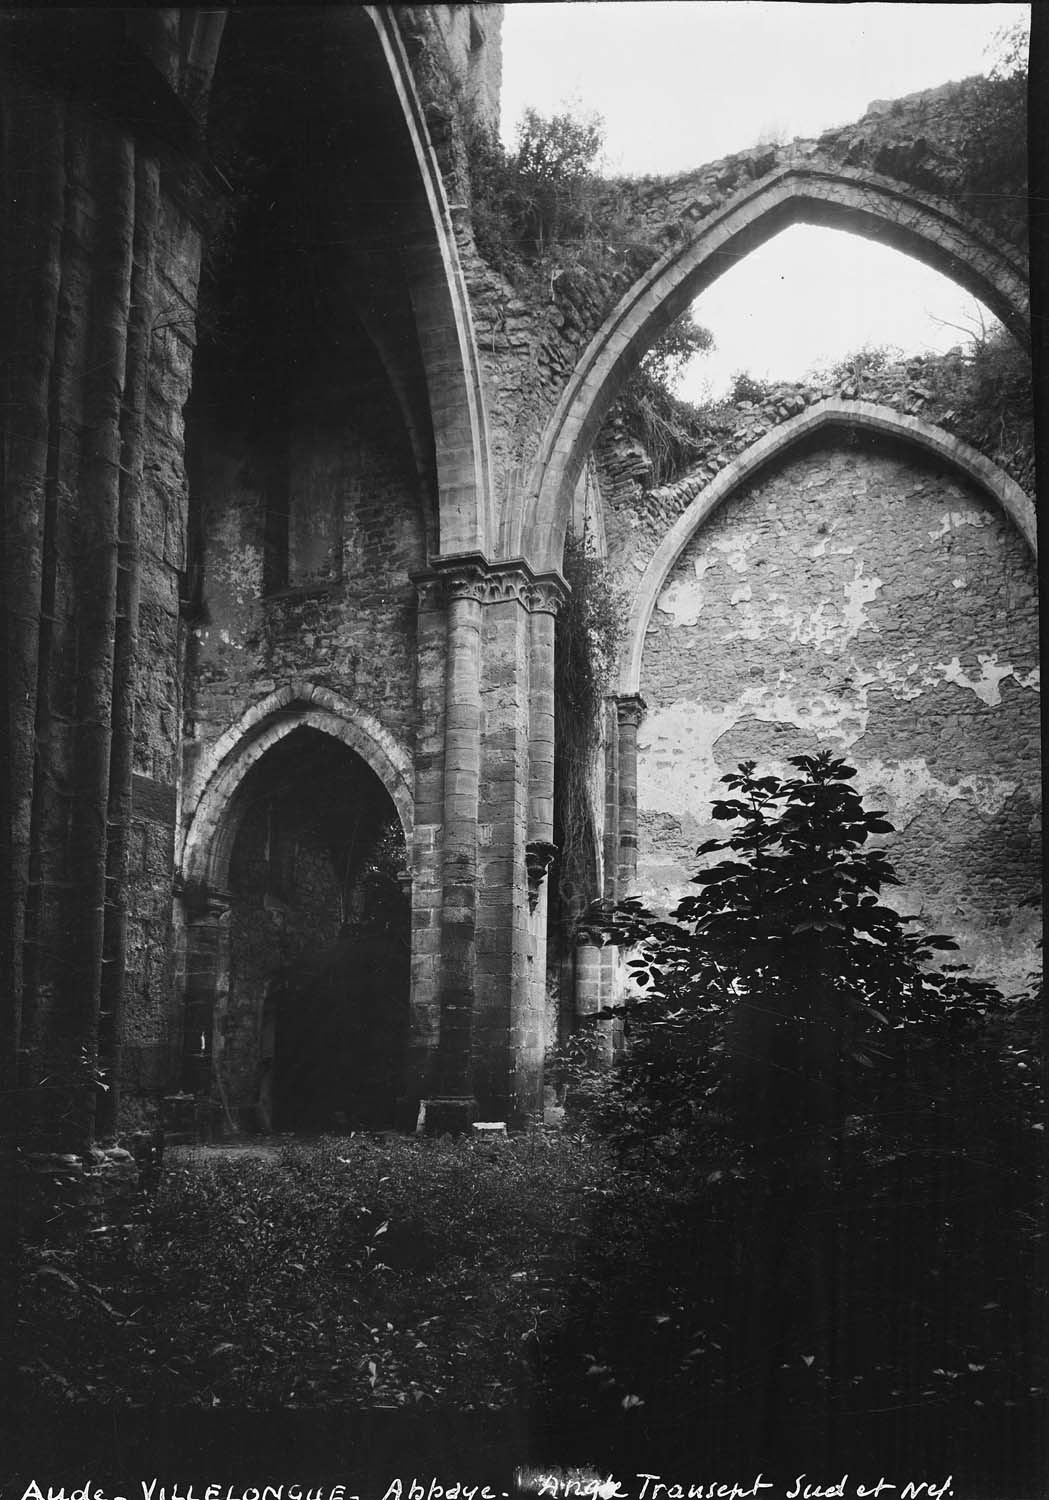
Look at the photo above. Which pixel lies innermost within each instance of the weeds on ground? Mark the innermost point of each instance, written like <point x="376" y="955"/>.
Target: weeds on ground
<point x="354" y="1271"/>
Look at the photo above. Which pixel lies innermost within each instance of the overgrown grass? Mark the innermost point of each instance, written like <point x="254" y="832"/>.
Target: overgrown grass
<point x="348" y="1271"/>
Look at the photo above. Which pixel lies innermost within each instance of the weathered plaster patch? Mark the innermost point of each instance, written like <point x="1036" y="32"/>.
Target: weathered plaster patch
<point x="829" y="716"/>
<point x="813" y="629"/>
<point x="951" y="520"/>
<point x="858" y="592"/>
<point x="905" y="788"/>
<point x="905" y="680"/>
<point x="854" y="653"/>
<point x="824" y="549"/>
<point x="751" y="627"/>
<point x="986" y="685"/>
<point x="240" y="567"/>
<point x="735" y="546"/>
<point x="683" y="600"/>
<point x="679" y="770"/>
<point x="671" y="778"/>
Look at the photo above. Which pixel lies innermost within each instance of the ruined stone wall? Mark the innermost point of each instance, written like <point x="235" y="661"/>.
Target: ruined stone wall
<point x="919" y="140"/>
<point x="153" y="1021"/>
<point x="533" y="323"/>
<point x="931" y="387"/>
<point x="462" y="46"/>
<point x="861" y="600"/>
<point x="307" y="519"/>
<point x="352" y="631"/>
<point x="96" y="404"/>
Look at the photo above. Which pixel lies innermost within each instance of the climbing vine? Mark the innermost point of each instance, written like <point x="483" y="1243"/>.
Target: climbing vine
<point x="670" y="430"/>
<point x="588" y="634"/>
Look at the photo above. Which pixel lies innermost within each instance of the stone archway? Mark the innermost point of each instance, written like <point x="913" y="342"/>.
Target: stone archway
<point x="445" y="326"/>
<point x="918" y="224"/>
<point x="296" y="916"/>
<point x="413" y="307"/>
<point x="864" y="416"/>
<point x="204" y="856"/>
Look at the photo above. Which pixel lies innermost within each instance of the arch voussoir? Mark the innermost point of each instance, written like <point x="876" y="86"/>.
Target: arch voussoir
<point x="210" y="830"/>
<point x="918" y="224"/>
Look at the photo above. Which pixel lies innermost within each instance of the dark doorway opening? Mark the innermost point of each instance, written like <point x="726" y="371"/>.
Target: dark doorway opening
<point x="313" y="1031"/>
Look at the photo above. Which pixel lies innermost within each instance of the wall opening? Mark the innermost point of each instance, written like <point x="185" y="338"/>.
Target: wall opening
<point x="312" y="1030"/>
<point x="812" y="296"/>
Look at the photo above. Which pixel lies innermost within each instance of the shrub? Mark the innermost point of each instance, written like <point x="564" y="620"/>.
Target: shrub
<point x="537" y="197"/>
<point x="786" y="996"/>
<point x="993" y="145"/>
<point x="832" y="1143"/>
<point x="670" y="430"/>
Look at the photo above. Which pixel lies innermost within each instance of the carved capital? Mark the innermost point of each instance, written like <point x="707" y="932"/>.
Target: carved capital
<point x="463" y="577"/>
<point x="471" y="576"/>
<point x="460" y="577"/>
<point x="630" y="710"/>
<point x="508" y="583"/>
<point x="539" y="856"/>
<point x="547" y="593"/>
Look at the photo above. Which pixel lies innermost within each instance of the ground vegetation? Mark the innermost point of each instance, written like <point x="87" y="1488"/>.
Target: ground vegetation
<point x="346" y="1271"/>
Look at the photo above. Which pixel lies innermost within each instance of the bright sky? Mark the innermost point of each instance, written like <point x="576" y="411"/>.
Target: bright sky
<point x="682" y="83"/>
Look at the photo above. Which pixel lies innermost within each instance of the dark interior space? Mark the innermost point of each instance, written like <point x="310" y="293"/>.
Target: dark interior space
<point x="313" y="1033"/>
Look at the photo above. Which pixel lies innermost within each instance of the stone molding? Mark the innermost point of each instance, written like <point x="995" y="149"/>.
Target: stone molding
<point x="429" y="589"/>
<point x="204" y="903"/>
<point x="471" y="576"/>
<point x="443" y="313"/>
<point x="207" y="838"/>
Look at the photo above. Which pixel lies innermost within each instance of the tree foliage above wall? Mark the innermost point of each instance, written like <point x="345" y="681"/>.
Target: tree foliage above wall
<point x="994" y="146"/>
<point x="669" y="429"/>
<point x="543" y="206"/>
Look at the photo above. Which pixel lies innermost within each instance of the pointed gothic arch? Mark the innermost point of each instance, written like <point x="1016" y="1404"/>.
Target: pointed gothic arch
<point x="924" y="227"/>
<point x="866" y="416"/>
<point x="445" y="326"/>
<point x="211" y="796"/>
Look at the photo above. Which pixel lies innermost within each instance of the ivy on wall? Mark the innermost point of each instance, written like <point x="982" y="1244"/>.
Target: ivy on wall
<point x="588" y="634"/>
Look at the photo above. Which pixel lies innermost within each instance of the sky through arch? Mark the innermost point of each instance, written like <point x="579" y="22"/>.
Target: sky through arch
<point x="679" y="84"/>
<point x="810" y="296"/>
